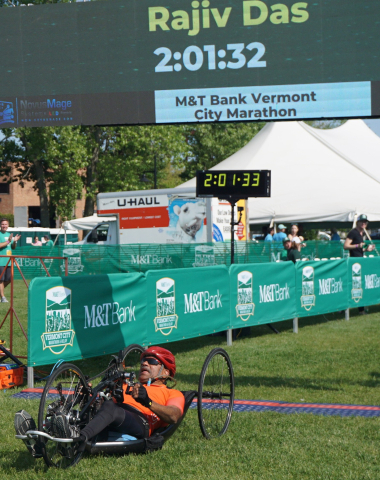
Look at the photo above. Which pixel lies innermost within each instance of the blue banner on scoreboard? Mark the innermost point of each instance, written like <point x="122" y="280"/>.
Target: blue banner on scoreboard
<point x="290" y="102"/>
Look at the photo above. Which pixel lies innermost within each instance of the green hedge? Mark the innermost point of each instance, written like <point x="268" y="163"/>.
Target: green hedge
<point x="10" y="217"/>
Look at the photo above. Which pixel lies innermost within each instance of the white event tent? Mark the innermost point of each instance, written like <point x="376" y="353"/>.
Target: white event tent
<point x="317" y="175"/>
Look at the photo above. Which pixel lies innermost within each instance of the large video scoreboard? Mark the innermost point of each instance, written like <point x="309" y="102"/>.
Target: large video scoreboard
<point x="148" y="61"/>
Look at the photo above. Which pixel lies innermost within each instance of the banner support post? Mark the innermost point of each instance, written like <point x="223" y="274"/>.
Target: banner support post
<point x="229" y="337"/>
<point x="30" y="375"/>
<point x="295" y="325"/>
<point x="347" y="314"/>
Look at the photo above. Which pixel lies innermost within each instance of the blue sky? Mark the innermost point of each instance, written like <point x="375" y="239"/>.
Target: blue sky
<point x="374" y="125"/>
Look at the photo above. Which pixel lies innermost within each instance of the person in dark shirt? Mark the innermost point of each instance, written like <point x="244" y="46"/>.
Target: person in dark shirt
<point x="335" y="235"/>
<point x="355" y="244"/>
<point x="287" y="246"/>
<point x="294" y="253"/>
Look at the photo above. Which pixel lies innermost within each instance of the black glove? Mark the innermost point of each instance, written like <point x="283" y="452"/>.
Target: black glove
<point x="143" y="397"/>
<point x="118" y="395"/>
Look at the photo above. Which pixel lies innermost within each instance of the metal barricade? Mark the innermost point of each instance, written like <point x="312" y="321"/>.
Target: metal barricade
<point x="12" y="259"/>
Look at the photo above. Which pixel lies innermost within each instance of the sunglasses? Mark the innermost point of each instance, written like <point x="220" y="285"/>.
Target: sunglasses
<point x="150" y="360"/>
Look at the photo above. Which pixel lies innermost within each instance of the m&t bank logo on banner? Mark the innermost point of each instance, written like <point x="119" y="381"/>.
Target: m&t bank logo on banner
<point x="357" y="291"/>
<point x="245" y="307"/>
<point x="308" y="297"/>
<point x="58" y="334"/>
<point x="74" y="260"/>
<point x="204" y="256"/>
<point x="166" y="318"/>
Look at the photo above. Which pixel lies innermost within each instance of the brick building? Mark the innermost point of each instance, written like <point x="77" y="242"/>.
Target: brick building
<point x="24" y="203"/>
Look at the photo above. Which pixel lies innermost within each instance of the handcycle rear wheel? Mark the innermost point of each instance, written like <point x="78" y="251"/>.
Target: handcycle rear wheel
<point x="64" y="392"/>
<point x="216" y="392"/>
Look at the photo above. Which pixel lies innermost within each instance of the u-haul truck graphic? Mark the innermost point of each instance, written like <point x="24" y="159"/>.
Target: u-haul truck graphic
<point x="172" y="215"/>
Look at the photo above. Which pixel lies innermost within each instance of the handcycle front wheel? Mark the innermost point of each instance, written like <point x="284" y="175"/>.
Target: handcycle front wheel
<point x="130" y="360"/>
<point x="216" y="393"/>
<point x="64" y="392"/>
<point x="131" y="357"/>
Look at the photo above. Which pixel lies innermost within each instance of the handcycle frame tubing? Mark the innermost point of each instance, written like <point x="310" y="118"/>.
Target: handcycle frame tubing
<point x="11" y="310"/>
<point x="96" y="390"/>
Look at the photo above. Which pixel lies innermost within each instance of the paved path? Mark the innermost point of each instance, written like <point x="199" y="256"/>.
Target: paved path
<point x="266" y="405"/>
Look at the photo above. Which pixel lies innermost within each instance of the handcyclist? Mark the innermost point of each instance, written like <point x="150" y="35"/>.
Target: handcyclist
<point x="150" y="406"/>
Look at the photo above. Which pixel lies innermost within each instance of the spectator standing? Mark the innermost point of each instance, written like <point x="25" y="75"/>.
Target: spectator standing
<point x="7" y="243"/>
<point x="355" y="244"/>
<point x="280" y="235"/>
<point x="294" y="233"/>
<point x="36" y="242"/>
<point x="294" y="253"/>
<point x="269" y="237"/>
<point x="48" y="241"/>
<point x="335" y="235"/>
<point x="287" y="246"/>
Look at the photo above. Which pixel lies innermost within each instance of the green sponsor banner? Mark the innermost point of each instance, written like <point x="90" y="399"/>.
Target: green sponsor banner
<point x="186" y="303"/>
<point x="321" y="287"/>
<point x="363" y="281"/>
<point x="262" y="293"/>
<point x="72" y="318"/>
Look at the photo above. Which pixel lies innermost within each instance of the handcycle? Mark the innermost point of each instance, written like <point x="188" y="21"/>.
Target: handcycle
<point x="69" y="392"/>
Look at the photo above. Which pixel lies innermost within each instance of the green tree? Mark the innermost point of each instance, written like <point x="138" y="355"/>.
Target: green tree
<point x="27" y="149"/>
<point x="211" y="143"/>
<point x="50" y="157"/>
<point x="325" y="124"/>
<point x="118" y="156"/>
<point x="61" y="161"/>
<point x="69" y="159"/>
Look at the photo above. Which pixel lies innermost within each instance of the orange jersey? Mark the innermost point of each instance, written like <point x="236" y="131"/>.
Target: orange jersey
<point x="159" y="394"/>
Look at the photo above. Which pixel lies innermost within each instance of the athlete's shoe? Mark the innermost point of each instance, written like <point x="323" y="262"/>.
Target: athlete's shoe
<point x="24" y="422"/>
<point x="4" y="300"/>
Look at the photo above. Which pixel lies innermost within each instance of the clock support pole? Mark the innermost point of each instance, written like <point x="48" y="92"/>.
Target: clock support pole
<point x="233" y="203"/>
<point x="233" y="200"/>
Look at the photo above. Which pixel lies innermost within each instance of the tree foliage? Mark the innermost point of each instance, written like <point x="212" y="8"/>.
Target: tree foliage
<point x="50" y="158"/>
<point x="64" y="161"/>
<point x="211" y="143"/>
<point x="325" y="124"/>
<point x="118" y="156"/>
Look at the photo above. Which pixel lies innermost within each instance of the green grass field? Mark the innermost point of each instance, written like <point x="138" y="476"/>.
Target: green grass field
<point x="329" y="361"/>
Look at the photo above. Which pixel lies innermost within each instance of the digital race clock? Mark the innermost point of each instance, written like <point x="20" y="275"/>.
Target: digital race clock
<point x="237" y="183"/>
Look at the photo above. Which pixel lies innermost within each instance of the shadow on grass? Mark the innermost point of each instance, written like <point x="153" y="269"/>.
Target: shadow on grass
<point x="21" y="461"/>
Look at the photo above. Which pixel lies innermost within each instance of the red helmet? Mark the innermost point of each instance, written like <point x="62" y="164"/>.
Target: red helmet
<point x="163" y="355"/>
